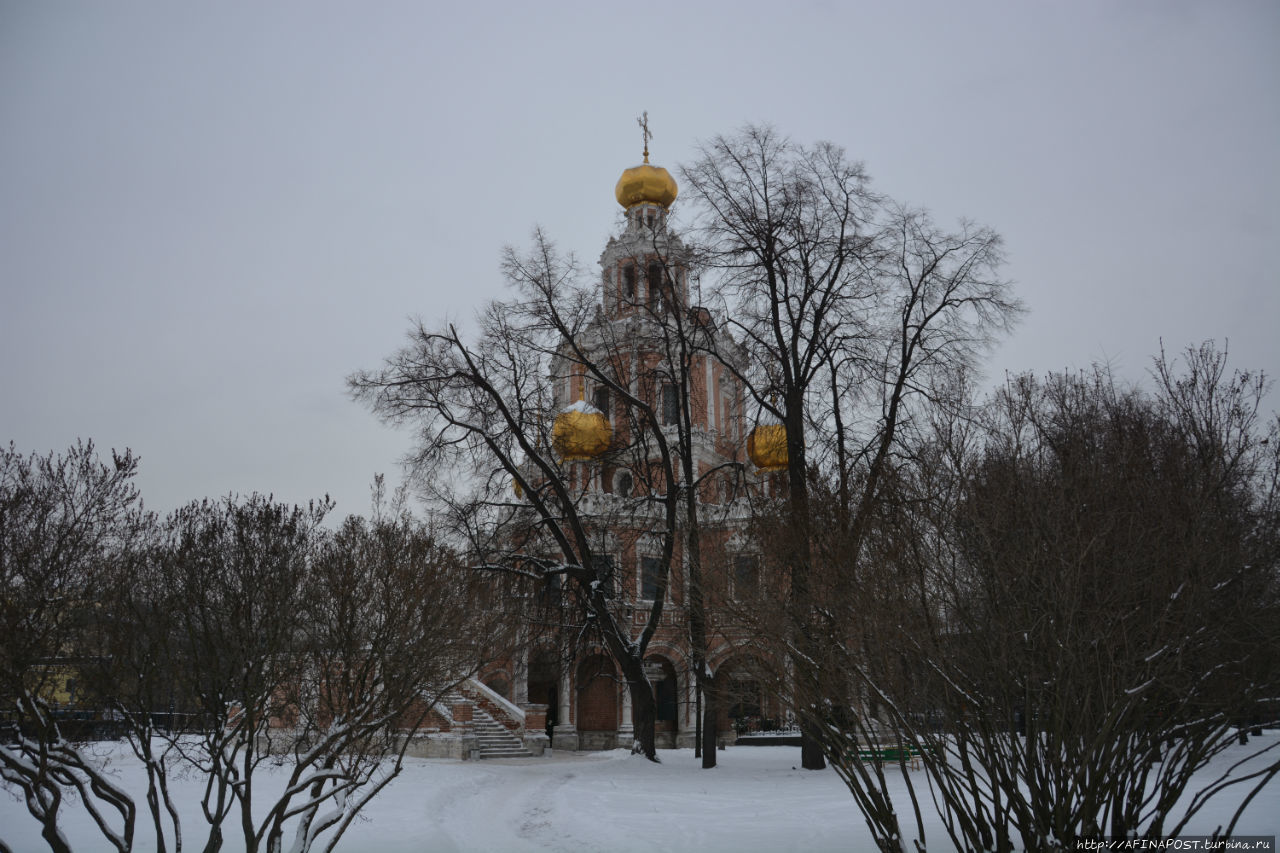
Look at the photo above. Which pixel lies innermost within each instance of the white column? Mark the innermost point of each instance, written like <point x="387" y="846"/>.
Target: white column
<point x="712" y="396"/>
<point x="627" y="727"/>
<point x="520" y="690"/>
<point x="564" y="735"/>
<point x="563" y="721"/>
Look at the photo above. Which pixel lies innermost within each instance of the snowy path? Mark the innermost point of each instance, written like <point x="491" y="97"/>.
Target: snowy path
<point x="609" y="802"/>
<point x="614" y="802"/>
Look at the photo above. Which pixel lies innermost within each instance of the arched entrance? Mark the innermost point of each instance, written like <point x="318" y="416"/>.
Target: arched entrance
<point x="666" y="693"/>
<point x="499" y="683"/>
<point x="744" y="705"/>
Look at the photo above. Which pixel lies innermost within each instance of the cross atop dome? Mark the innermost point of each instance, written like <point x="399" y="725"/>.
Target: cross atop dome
<point x="645" y="184"/>
<point x="643" y="121"/>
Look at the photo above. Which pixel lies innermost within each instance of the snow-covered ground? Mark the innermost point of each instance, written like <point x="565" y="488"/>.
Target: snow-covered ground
<point x="756" y="800"/>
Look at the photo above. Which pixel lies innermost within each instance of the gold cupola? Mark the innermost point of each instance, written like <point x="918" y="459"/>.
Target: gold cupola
<point x="581" y="432"/>
<point x="767" y="446"/>
<point x="646" y="184"/>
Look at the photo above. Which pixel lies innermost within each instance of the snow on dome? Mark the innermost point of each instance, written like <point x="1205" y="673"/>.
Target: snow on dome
<point x="581" y="432"/>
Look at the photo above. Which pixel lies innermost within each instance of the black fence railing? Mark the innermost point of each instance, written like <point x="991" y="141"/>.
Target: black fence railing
<point x="87" y="724"/>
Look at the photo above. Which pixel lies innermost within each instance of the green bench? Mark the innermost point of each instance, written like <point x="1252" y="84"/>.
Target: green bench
<point x="892" y="754"/>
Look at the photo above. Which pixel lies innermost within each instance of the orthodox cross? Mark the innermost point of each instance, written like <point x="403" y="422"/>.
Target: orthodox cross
<point x="643" y="121"/>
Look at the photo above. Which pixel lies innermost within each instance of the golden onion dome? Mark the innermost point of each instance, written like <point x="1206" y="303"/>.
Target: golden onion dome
<point x="767" y="447"/>
<point x="645" y="184"/>
<point x="581" y="432"/>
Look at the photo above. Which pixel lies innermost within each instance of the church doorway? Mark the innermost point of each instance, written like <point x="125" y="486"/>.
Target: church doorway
<point x="666" y="693"/>
<point x="597" y="695"/>
<point x="544" y="684"/>
<point x="744" y="706"/>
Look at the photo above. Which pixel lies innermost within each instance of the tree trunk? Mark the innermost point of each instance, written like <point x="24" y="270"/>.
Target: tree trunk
<point x="49" y="831"/>
<point x="214" y="842"/>
<point x="643" y="714"/>
<point x="811" y="756"/>
<point x="709" y="727"/>
<point x="806" y="685"/>
<point x="697" y="724"/>
<point x="697" y="612"/>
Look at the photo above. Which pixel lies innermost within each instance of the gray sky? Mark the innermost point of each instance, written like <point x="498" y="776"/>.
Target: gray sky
<point x="211" y="213"/>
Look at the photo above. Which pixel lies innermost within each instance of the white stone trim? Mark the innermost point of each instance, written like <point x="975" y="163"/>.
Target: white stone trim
<point x="516" y="712"/>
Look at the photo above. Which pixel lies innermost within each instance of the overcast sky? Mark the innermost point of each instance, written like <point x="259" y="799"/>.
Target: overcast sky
<point x="210" y="214"/>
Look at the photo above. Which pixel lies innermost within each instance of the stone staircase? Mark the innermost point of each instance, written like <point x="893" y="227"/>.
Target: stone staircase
<point x="496" y="740"/>
<point x="493" y="739"/>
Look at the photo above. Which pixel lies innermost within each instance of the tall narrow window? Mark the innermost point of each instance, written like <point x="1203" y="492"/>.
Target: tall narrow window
<point x="629" y="281"/>
<point x="649" y="571"/>
<point x="656" y="285"/>
<point x="664" y="693"/>
<point x="746" y="576"/>
<point x="670" y="405"/>
<point x="600" y="399"/>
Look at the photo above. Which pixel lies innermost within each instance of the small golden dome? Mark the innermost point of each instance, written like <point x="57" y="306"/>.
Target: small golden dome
<point x="645" y="184"/>
<point x="581" y="432"/>
<point x="767" y="447"/>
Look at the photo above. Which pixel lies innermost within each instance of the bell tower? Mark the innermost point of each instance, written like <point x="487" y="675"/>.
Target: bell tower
<point x="643" y="268"/>
<point x="644" y="301"/>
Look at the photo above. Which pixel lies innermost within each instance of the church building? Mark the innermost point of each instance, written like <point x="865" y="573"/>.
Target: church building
<point x="655" y="339"/>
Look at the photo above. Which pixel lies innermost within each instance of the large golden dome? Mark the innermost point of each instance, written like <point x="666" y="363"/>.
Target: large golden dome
<point x="767" y="447"/>
<point x="645" y="184"/>
<point x="581" y="432"/>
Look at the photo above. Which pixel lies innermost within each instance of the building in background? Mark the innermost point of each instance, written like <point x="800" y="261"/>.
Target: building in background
<point x="652" y="337"/>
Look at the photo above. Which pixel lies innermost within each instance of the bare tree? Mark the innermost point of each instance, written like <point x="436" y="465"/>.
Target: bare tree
<point x="488" y="407"/>
<point x="387" y="629"/>
<point x="1067" y="610"/>
<point x="783" y="224"/>
<point x="63" y="519"/>
<point x="238" y="571"/>
<point x="850" y="309"/>
<point x="232" y="633"/>
<point x="681" y="337"/>
<point x="329" y="649"/>
<point x="138" y="672"/>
